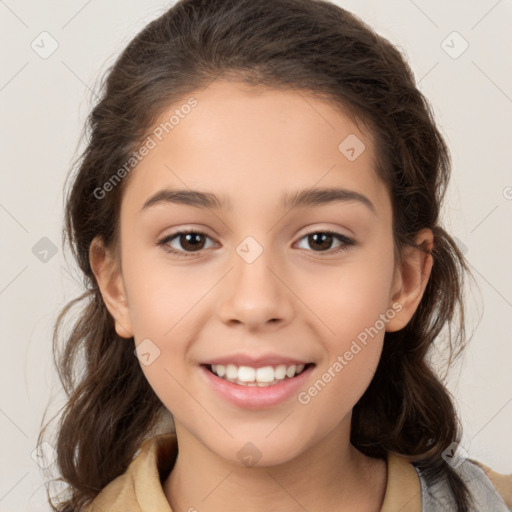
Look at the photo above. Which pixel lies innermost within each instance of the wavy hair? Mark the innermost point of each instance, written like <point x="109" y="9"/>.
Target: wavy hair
<point x="310" y="46"/>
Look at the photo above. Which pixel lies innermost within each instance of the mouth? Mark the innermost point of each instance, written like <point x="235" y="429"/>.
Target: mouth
<point x="264" y="376"/>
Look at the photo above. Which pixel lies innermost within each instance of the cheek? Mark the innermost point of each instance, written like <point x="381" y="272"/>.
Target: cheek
<point x="351" y="297"/>
<point x="339" y="385"/>
<point x="160" y="294"/>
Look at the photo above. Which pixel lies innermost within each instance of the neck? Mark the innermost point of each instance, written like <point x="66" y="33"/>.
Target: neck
<point x="331" y="475"/>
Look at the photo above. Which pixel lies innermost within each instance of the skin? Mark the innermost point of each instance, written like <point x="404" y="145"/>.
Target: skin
<point x="296" y="299"/>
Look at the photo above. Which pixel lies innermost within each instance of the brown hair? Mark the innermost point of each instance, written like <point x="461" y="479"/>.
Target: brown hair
<point x="311" y="46"/>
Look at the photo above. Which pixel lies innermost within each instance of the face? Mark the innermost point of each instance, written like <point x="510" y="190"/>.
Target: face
<point x="256" y="282"/>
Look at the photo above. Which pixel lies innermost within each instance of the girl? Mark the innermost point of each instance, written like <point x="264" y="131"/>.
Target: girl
<point x="257" y="218"/>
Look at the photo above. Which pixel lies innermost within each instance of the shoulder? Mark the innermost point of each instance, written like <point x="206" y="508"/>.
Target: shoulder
<point x="489" y="490"/>
<point x="139" y="488"/>
<point x="502" y="483"/>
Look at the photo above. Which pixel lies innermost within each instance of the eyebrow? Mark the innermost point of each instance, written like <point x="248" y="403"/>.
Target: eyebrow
<point x="296" y="199"/>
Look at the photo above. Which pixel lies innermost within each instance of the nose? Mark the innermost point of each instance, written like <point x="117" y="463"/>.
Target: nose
<point x="256" y="294"/>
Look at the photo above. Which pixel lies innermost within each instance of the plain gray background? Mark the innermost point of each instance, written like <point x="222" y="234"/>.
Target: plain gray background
<point x="43" y="106"/>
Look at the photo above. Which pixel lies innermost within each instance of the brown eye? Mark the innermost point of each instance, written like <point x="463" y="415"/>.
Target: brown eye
<point x="191" y="241"/>
<point x="321" y="241"/>
<point x="185" y="242"/>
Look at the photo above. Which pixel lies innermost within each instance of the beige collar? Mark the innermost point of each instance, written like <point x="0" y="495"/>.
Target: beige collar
<point x="139" y="489"/>
<point x="403" y="489"/>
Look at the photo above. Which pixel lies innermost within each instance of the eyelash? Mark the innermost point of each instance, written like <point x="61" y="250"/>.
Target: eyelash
<point x="346" y="242"/>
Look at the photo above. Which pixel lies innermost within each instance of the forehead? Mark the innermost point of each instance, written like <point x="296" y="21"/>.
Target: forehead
<point x="246" y="142"/>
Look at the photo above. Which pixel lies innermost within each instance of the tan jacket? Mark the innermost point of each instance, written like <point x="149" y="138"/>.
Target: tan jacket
<point x="139" y="489"/>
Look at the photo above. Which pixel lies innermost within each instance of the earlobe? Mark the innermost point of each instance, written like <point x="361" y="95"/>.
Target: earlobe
<point x="110" y="282"/>
<point x="411" y="280"/>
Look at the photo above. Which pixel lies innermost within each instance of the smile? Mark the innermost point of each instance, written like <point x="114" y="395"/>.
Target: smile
<point x="261" y="377"/>
<point x="258" y="384"/>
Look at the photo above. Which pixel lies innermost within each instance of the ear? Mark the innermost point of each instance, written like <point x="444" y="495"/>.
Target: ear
<point x="411" y="279"/>
<point x="110" y="282"/>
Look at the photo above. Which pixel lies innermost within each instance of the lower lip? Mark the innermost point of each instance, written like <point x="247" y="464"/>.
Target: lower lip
<point x="254" y="397"/>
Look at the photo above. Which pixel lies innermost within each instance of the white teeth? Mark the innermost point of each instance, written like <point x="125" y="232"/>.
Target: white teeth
<point x="264" y="376"/>
<point x="246" y="374"/>
<point x="231" y="371"/>
<point x="290" y="371"/>
<point x="280" y="372"/>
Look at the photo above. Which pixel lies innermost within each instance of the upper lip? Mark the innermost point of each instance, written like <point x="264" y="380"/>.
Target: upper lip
<point x="255" y="361"/>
